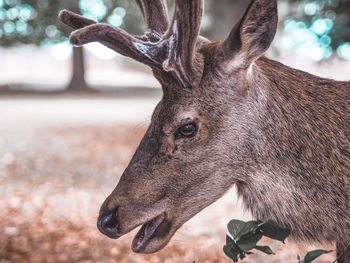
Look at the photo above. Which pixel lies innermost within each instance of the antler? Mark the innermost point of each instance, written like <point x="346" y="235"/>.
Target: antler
<point x="182" y="38"/>
<point x="155" y="14"/>
<point x="164" y="47"/>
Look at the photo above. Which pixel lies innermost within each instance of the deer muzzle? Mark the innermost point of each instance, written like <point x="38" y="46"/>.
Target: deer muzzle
<point x="156" y="225"/>
<point x="108" y="224"/>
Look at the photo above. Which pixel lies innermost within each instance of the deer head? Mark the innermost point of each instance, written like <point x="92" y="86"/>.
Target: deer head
<point x="198" y="143"/>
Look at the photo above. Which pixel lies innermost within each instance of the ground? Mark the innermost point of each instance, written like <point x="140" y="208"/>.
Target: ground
<point x="59" y="159"/>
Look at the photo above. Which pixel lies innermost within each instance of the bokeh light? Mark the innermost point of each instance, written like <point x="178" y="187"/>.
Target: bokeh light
<point x="344" y="51"/>
<point x="9" y="28"/>
<point x="304" y="40"/>
<point x="52" y="32"/>
<point x="26" y="12"/>
<point x="2" y="14"/>
<point x="15" y="19"/>
<point x="312" y="37"/>
<point x="116" y="19"/>
<point x="120" y="11"/>
<point x="62" y="50"/>
<point x="12" y="13"/>
<point x="100" y="51"/>
<point x="21" y="27"/>
<point x="322" y="26"/>
<point x="11" y="2"/>
<point x="93" y="9"/>
<point x="311" y="9"/>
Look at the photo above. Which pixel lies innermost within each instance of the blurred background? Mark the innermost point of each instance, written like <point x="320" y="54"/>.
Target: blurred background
<point x="71" y="118"/>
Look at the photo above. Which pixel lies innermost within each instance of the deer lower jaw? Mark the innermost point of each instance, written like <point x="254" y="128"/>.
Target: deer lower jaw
<point x="150" y="237"/>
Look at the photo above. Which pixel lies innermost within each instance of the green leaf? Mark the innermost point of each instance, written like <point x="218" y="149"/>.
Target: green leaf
<point x="234" y="226"/>
<point x="246" y="228"/>
<point x="265" y="249"/>
<point x="312" y="255"/>
<point x="230" y="254"/>
<point x="249" y="240"/>
<point x="231" y="249"/>
<point x="272" y="230"/>
<point x="245" y="234"/>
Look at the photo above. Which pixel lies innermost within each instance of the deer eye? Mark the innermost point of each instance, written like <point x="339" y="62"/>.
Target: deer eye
<point x="187" y="131"/>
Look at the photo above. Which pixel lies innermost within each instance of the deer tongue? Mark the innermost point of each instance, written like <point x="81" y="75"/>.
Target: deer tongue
<point x="146" y="232"/>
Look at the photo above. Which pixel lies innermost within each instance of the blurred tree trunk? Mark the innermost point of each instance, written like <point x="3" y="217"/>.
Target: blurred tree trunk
<point x="77" y="82"/>
<point x="224" y="15"/>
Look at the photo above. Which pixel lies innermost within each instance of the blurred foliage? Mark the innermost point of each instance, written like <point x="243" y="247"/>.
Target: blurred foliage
<point x="132" y="20"/>
<point x="314" y="28"/>
<point x="35" y="21"/>
<point x="29" y="21"/>
<point x="323" y="25"/>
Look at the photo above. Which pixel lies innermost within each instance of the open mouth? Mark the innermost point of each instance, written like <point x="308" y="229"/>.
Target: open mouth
<point x="148" y="232"/>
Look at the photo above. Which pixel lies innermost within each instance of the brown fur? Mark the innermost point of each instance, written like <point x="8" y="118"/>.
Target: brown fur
<point x="281" y="135"/>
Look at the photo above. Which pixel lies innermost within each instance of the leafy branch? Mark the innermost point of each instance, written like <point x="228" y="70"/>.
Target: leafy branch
<point x="244" y="237"/>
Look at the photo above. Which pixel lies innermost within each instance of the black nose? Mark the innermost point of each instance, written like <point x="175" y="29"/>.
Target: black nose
<point x="108" y="224"/>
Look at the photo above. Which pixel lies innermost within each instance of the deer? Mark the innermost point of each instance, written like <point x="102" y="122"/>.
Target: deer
<point x="229" y="116"/>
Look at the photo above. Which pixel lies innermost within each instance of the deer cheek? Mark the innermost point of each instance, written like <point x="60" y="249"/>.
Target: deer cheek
<point x="167" y="149"/>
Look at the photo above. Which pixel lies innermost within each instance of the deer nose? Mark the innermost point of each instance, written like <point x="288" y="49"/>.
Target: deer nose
<point x="108" y="223"/>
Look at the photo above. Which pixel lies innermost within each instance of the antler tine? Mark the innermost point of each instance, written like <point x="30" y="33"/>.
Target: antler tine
<point x="115" y="38"/>
<point x="119" y="41"/>
<point x="74" y="20"/>
<point x="155" y="14"/>
<point x="182" y="36"/>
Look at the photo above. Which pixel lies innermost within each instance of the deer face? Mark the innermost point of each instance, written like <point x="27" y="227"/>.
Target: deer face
<point x="199" y="130"/>
<point x="179" y="168"/>
<point x="183" y="164"/>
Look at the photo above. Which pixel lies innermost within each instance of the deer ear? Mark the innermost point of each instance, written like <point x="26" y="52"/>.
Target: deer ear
<point x="252" y="35"/>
